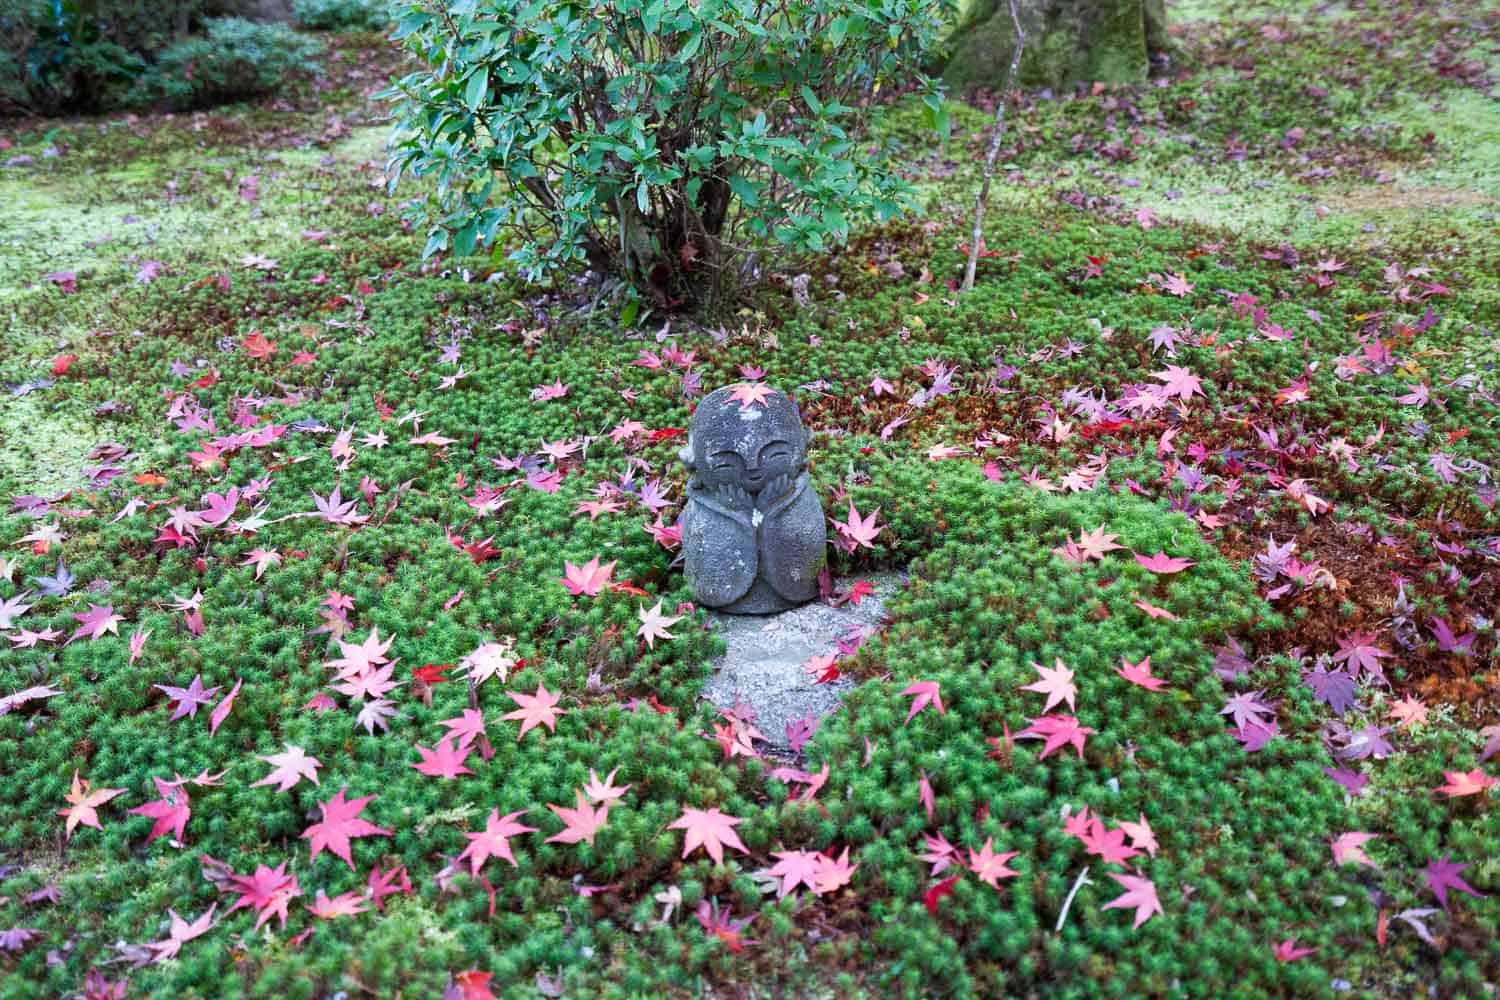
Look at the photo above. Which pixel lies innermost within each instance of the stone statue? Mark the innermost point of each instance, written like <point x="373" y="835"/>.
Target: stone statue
<point x="753" y="539"/>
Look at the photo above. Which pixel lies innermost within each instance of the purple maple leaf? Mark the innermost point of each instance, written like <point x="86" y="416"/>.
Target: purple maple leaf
<point x="799" y="731"/>
<point x="1351" y="781"/>
<point x="1367" y="742"/>
<point x="1447" y="642"/>
<point x="1334" y="688"/>
<point x="1359" y="652"/>
<point x="188" y="699"/>
<point x="1230" y="661"/>
<point x="336" y="510"/>
<point x="96" y="621"/>
<point x="1444" y="875"/>
<point x="1247" y="709"/>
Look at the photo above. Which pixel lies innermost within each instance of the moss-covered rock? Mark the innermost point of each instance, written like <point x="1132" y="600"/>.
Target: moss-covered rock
<point x="1067" y="41"/>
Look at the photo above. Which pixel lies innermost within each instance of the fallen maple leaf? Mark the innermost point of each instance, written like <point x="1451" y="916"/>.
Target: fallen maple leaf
<point x="1057" y="730"/>
<point x="858" y="531"/>
<point x="1140" y="674"/>
<point x="1289" y="951"/>
<point x="937" y="892"/>
<point x="268" y="890"/>
<point x="588" y="579"/>
<point x="443" y="761"/>
<point x="654" y="624"/>
<point x="1444" y="875"/>
<point x="709" y="829"/>
<point x="494" y="840"/>
<point x="1475" y="782"/>
<point x="1164" y="564"/>
<point x="989" y="866"/>
<point x="171" y="811"/>
<point x="925" y="693"/>
<point x="84" y="803"/>
<point x="289" y="767"/>
<point x="1350" y="847"/>
<point x="1140" y="893"/>
<point x="345" y="904"/>
<point x="536" y="710"/>
<point x="581" y="823"/>
<point x="341" y="822"/>
<point x="1056" y="684"/>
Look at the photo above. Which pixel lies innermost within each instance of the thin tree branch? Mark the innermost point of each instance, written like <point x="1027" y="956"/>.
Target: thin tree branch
<point x="983" y="197"/>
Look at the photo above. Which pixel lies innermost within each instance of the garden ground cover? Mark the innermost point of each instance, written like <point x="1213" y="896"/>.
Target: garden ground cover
<point x="1243" y="317"/>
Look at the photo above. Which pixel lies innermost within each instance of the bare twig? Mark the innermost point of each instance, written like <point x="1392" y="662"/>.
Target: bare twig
<point x="983" y="196"/>
<point x="1083" y="876"/>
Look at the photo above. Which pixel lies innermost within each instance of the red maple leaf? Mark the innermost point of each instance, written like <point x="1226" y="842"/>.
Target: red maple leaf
<point x="937" y="892"/>
<point x="381" y="884"/>
<point x="340" y="823"/>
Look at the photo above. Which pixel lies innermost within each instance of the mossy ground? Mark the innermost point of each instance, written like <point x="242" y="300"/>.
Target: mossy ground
<point x="1239" y="204"/>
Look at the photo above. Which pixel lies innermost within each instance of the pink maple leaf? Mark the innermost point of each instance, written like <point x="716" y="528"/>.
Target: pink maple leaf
<point x="179" y="933"/>
<point x="443" y="761"/>
<point x="709" y="829"/>
<point x="222" y="709"/>
<point x="1140" y="893"/>
<point x="268" y="891"/>
<point x="494" y="840"/>
<point x="924" y="693"/>
<point x="339" y="824"/>
<point x="580" y="824"/>
<point x="1350" y="847"/>
<point x="345" y="904"/>
<point x="1289" y="951"/>
<point x="748" y="394"/>
<point x="1140" y="674"/>
<point x="588" y="579"/>
<point x="289" y="767"/>
<point x="1178" y="381"/>
<point x="1056" y="683"/>
<point x="171" y="811"/>
<point x="989" y="866"/>
<point x="1057" y="731"/>
<point x="96" y="621"/>
<point x="536" y="710"/>
<point x="858" y="531"/>
<point x="1163" y="563"/>
<point x="795" y="868"/>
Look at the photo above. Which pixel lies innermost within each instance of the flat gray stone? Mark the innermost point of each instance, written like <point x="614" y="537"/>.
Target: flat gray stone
<point x="763" y="664"/>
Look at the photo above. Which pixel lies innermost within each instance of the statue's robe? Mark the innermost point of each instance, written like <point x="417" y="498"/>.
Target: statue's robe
<point x="754" y="562"/>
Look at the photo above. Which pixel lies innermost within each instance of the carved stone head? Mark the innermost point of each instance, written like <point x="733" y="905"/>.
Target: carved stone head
<point x="744" y="445"/>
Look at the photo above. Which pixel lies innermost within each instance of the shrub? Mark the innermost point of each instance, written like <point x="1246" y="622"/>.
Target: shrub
<point x="342" y="15"/>
<point x="98" y="55"/>
<point x="235" y="59"/>
<point x="669" y="142"/>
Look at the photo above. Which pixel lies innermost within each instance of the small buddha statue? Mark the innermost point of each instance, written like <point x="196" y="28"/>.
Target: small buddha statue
<point x="753" y="536"/>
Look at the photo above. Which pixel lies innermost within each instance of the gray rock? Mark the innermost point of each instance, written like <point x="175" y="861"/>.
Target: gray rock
<point x="753" y="536"/>
<point x="763" y="664"/>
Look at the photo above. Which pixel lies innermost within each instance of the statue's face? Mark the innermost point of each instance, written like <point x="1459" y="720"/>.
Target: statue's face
<point x="776" y="457"/>
<point x="746" y="447"/>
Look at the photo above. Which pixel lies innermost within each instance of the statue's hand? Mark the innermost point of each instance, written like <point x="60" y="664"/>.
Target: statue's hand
<point x="732" y="496"/>
<point x="774" y="491"/>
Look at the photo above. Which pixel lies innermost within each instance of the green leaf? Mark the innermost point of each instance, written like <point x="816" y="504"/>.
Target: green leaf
<point x="478" y="88"/>
<point x="744" y="191"/>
